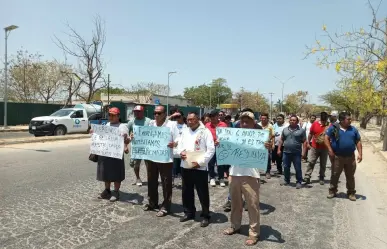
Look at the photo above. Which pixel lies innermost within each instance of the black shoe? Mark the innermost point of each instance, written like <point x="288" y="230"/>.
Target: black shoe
<point x="227" y="206"/>
<point x="205" y="222"/>
<point x="148" y="207"/>
<point x="306" y="180"/>
<point x="186" y="218"/>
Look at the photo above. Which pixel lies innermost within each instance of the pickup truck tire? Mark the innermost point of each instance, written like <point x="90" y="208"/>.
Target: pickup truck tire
<point x="39" y="135"/>
<point x="60" y="131"/>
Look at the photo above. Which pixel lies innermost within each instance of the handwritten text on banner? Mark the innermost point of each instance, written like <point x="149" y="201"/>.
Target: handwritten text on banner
<point x="151" y="143"/>
<point x="242" y="147"/>
<point x="107" y="141"/>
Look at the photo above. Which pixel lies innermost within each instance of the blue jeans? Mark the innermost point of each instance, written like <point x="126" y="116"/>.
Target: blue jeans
<point x="288" y="159"/>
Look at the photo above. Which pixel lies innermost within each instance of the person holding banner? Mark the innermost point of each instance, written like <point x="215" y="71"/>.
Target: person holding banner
<point x="139" y="120"/>
<point x="164" y="169"/>
<point x="112" y="169"/>
<point x="196" y="148"/>
<point x="245" y="181"/>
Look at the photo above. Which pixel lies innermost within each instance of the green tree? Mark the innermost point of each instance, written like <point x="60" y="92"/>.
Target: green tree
<point x="295" y="101"/>
<point x="209" y="95"/>
<point x="253" y="100"/>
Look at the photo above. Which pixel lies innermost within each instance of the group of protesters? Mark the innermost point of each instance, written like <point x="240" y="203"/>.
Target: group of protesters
<point x="288" y="143"/>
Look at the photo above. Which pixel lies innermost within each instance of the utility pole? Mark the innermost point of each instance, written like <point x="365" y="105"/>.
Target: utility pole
<point x="7" y="30"/>
<point x="108" y="86"/>
<point x="271" y="105"/>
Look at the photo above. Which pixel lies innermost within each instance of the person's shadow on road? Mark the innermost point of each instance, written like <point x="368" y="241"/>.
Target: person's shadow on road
<point x="266" y="208"/>
<point x="133" y="198"/>
<point x="343" y="195"/>
<point x="267" y="233"/>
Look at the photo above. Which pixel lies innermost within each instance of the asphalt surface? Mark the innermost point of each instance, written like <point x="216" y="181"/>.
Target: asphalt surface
<point x="48" y="200"/>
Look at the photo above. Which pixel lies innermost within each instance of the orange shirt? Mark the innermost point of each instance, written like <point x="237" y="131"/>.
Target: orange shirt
<point x="212" y="128"/>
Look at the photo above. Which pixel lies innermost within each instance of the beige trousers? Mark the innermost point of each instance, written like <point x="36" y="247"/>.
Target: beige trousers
<point x="248" y="187"/>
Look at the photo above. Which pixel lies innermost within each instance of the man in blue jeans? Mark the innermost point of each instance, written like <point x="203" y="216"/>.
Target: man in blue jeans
<point x="292" y="139"/>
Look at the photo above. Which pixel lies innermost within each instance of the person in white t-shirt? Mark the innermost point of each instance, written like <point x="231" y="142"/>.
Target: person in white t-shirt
<point x="246" y="182"/>
<point x="195" y="138"/>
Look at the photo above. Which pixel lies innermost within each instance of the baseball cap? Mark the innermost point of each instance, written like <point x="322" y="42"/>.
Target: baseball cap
<point x="114" y="111"/>
<point x="247" y="114"/>
<point x="334" y="113"/>
<point x="138" y="108"/>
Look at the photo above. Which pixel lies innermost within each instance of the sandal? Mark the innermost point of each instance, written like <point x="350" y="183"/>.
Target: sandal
<point x="251" y="241"/>
<point x="161" y="213"/>
<point x="231" y="231"/>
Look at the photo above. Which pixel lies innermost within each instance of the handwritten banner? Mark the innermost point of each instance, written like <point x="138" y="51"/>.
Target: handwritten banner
<point x="242" y="147"/>
<point x="107" y="141"/>
<point x="151" y="143"/>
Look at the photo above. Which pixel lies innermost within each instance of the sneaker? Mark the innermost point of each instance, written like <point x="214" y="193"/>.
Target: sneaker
<point x="105" y="194"/>
<point x="352" y="197"/>
<point x="222" y="184"/>
<point x="268" y="176"/>
<point x="139" y="182"/>
<point x="285" y="184"/>
<point x="212" y="183"/>
<point x="298" y="185"/>
<point x="331" y="195"/>
<point x="307" y="180"/>
<point x="115" y="196"/>
<point x="227" y="206"/>
<point x="322" y="181"/>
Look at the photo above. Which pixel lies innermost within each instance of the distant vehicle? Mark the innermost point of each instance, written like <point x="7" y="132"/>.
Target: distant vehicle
<point x="68" y="120"/>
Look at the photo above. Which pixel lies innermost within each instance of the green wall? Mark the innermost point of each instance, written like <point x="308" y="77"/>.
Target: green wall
<point x="22" y="113"/>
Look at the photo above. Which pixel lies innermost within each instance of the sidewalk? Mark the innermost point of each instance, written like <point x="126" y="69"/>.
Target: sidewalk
<point x="4" y="142"/>
<point x="372" y="135"/>
<point x="16" y="128"/>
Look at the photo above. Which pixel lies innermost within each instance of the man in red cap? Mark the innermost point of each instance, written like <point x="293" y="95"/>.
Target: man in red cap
<point x="139" y="120"/>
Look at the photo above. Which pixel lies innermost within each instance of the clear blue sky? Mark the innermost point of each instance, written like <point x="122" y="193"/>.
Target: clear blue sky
<point x="247" y="41"/>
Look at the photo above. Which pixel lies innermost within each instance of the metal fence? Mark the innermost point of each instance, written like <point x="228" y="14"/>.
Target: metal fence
<point x="22" y="113"/>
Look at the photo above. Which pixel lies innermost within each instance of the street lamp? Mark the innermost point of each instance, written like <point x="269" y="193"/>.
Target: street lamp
<point x="7" y="31"/>
<point x="283" y="85"/>
<point x="169" y="75"/>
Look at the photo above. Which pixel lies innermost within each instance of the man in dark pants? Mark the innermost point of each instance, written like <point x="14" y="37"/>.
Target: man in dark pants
<point x="196" y="139"/>
<point x="154" y="169"/>
<point x="342" y="140"/>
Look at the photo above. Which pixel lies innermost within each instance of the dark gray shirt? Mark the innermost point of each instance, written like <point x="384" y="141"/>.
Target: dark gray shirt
<point x="293" y="139"/>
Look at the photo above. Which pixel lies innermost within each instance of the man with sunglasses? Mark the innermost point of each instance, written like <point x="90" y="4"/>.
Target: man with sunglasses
<point x="155" y="168"/>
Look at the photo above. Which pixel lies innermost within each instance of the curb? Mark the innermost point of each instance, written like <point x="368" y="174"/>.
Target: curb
<point x="15" y="130"/>
<point x="43" y="139"/>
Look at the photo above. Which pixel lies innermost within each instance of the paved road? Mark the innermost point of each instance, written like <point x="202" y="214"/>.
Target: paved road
<point x="10" y="135"/>
<point x="48" y="200"/>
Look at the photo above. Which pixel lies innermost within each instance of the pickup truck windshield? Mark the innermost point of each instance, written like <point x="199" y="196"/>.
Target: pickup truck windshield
<point x="62" y="113"/>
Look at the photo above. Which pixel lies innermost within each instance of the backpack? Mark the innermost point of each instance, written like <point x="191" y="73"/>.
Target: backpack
<point x="321" y="137"/>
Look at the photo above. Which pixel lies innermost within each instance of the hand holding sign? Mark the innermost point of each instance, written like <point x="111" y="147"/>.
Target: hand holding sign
<point x="243" y="147"/>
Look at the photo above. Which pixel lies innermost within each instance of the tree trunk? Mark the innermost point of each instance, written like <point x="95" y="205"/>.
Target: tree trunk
<point x="364" y="120"/>
<point x="383" y="132"/>
<point x="379" y="120"/>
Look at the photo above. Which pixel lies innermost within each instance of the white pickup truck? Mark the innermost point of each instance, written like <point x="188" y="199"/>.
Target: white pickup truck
<point x="63" y="121"/>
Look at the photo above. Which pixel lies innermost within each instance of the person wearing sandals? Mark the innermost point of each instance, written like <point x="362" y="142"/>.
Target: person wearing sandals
<point x="195" y="138"/>
<point x="112" y="169"/>
<point x="246" y="182"/>
<point x="154" y="168"/>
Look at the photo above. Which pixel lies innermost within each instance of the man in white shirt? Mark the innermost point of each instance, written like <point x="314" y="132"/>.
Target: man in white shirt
<point x="154" y="168"/>
<point x="306" y="126"/>
<point x="246" y="182"/>
<point x="195" y="138"/>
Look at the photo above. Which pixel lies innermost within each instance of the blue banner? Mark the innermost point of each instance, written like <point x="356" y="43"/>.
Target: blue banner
<point x="151" y="143"/>
<point x="242" y="147"/>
